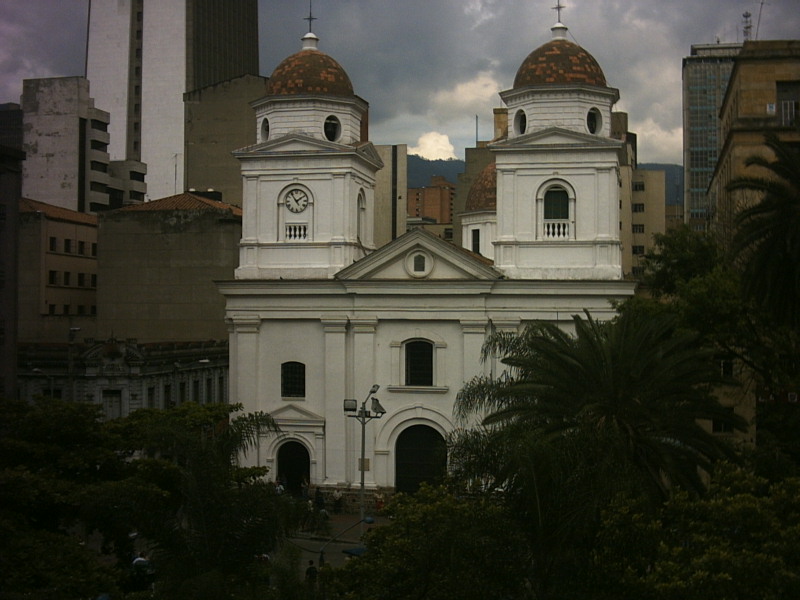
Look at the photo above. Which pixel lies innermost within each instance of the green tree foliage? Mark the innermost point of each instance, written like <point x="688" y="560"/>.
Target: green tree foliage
<point x="738" y="541"/>
<point x="51" y="453"/>
<point x="577" y="419"/>
<point x="678" y="256"/>
<point x="74" y="490"/>
<point x="767" y="238"/>
<point x="438" y="546"/>
<point x="636" y="384"/>
<point x="216" y="517"/>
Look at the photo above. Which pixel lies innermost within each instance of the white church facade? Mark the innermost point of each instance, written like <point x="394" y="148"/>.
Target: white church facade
<point x="318" y="315"/>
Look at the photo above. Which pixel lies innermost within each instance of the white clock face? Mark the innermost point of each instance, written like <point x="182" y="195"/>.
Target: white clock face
<point x="296" y="201"/>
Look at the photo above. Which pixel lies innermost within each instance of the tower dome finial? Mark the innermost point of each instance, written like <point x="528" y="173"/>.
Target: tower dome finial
<point x="559" y="29"/>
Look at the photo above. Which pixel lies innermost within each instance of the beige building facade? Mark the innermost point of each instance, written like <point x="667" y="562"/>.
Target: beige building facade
<point x="763" y="96"/>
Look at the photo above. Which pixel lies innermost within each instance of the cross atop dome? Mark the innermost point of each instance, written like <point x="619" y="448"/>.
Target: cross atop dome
<point x="310" y="18"/>
<point x="558" y="8"/>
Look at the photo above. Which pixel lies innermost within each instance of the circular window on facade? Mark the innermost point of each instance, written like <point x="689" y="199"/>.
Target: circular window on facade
<point x="520" y="122"/>
<point x="594" y="121"/>
<point x="418" y="264"/>
<point x="264" y="130"/>
<point x="333" y="128"/>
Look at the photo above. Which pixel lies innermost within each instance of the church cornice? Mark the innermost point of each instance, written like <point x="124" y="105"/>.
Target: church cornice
<point x="532" y="92"/>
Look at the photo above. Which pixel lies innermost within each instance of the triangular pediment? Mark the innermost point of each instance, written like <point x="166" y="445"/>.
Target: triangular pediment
<point x="555" y="137"/>
<point x="294" y="413"/>
<point x="295" y="143"/>
<point x="302" y="144"/>
<point x="419" y="256"/>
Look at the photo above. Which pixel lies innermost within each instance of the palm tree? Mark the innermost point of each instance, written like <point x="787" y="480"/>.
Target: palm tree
<point x="631" y="390"/>
<point x="767" y="237"/>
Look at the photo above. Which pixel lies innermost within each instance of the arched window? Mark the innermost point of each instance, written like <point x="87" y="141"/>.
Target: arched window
<point x="556" y="214"/>
<point x="293" y="380"/>
<point x="361" y="217"/>
<point x="333" y="128"/>
<point x="419" y="363"/>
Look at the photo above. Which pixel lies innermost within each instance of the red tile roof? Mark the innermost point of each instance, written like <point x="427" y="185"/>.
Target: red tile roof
<point x="185" y="201"/>
<point x="309" y="72"/>
<point x="559" y="61"/>
<point x="57" y="213"/>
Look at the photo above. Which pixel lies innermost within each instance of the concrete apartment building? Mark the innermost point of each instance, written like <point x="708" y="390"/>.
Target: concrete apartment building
<point x="763" y="96"/>
<point x="434" y="201"/>
<point x="144" y="55"/>
<point x="705" y="78"/>
<point x="157" y="336"/>
<point x="219" y="119"/>
<point x="65" y="140"/>
<point x="158" y="267"/>
<point x="57" y="288"/>
<point x="11" y="158"/>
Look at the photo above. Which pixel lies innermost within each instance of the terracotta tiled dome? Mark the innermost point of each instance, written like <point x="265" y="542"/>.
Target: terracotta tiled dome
<point x="483" y="193"/>
<point x="559" y="61"/>
<point x="309" y="72"/>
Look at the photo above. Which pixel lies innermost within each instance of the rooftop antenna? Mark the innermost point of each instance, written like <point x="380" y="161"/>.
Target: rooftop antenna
<point x="747" y="26"/>
<point x="310" y="18"/>
<point x="758" y="22"/>
<point x="558" y="8"/>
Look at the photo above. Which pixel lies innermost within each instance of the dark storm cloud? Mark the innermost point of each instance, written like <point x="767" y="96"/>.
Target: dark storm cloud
<point x="40" y="38"/>
<point x="432" y="65"/>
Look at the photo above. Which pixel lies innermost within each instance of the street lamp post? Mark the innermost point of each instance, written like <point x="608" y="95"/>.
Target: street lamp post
<point x="38" y="371"/>
<point x="363" y="416"/>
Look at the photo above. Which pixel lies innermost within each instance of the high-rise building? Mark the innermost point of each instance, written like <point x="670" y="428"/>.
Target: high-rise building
<point x="705" y="77"/>
<point x="144" y="55"/>
<point x="763" y="97"/>
<point x="65" y="138"/>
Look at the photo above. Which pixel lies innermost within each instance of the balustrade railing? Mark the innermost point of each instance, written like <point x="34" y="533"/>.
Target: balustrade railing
<point x="296" y="232"/>
<point x="556" y="230"/>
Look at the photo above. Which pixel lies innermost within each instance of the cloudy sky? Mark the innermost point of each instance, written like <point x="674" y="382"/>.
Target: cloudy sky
<point x="428" y="67"/>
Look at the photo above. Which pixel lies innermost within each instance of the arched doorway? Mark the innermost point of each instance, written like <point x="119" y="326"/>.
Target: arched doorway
<point x="420" y="455"/>
<point x="294" y="466"/>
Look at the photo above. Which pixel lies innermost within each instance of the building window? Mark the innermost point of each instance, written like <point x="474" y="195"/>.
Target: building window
<point x="94" y="249"/>
<point x="51" y="309"/>
<point x="94" y="280"/>
<point x="556" y="213"/>
<point x="81" y="248"/>
<point x="594" y="121"/>
<point x="419" y="263"/>
<point x="151" y="397"/>
<point x="53" y="244"/>
<point x="264" y="130"/>
<point x="637" y="228"/>
<point x="720" y="426"/>
<point x="168" y="403"/>
<point x="66" y="309"/>
<point x="476" y="241"/>
<point x="81" y="279"/>
<point x="419" y="363"/>
<point x="68" y="246"/>
<point x="638" y="186"/>
<point x="333" y="128"/>
<point x="637" y="250"/>
<point x="52" y="277"/>
<point x="520" y="122"/>
<point x="196" y="392"/>
<point x="81" y="309"/>
<point x="637" y="207"/>
<point x="293" y="380"/>
<point x="67" y="278"/>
